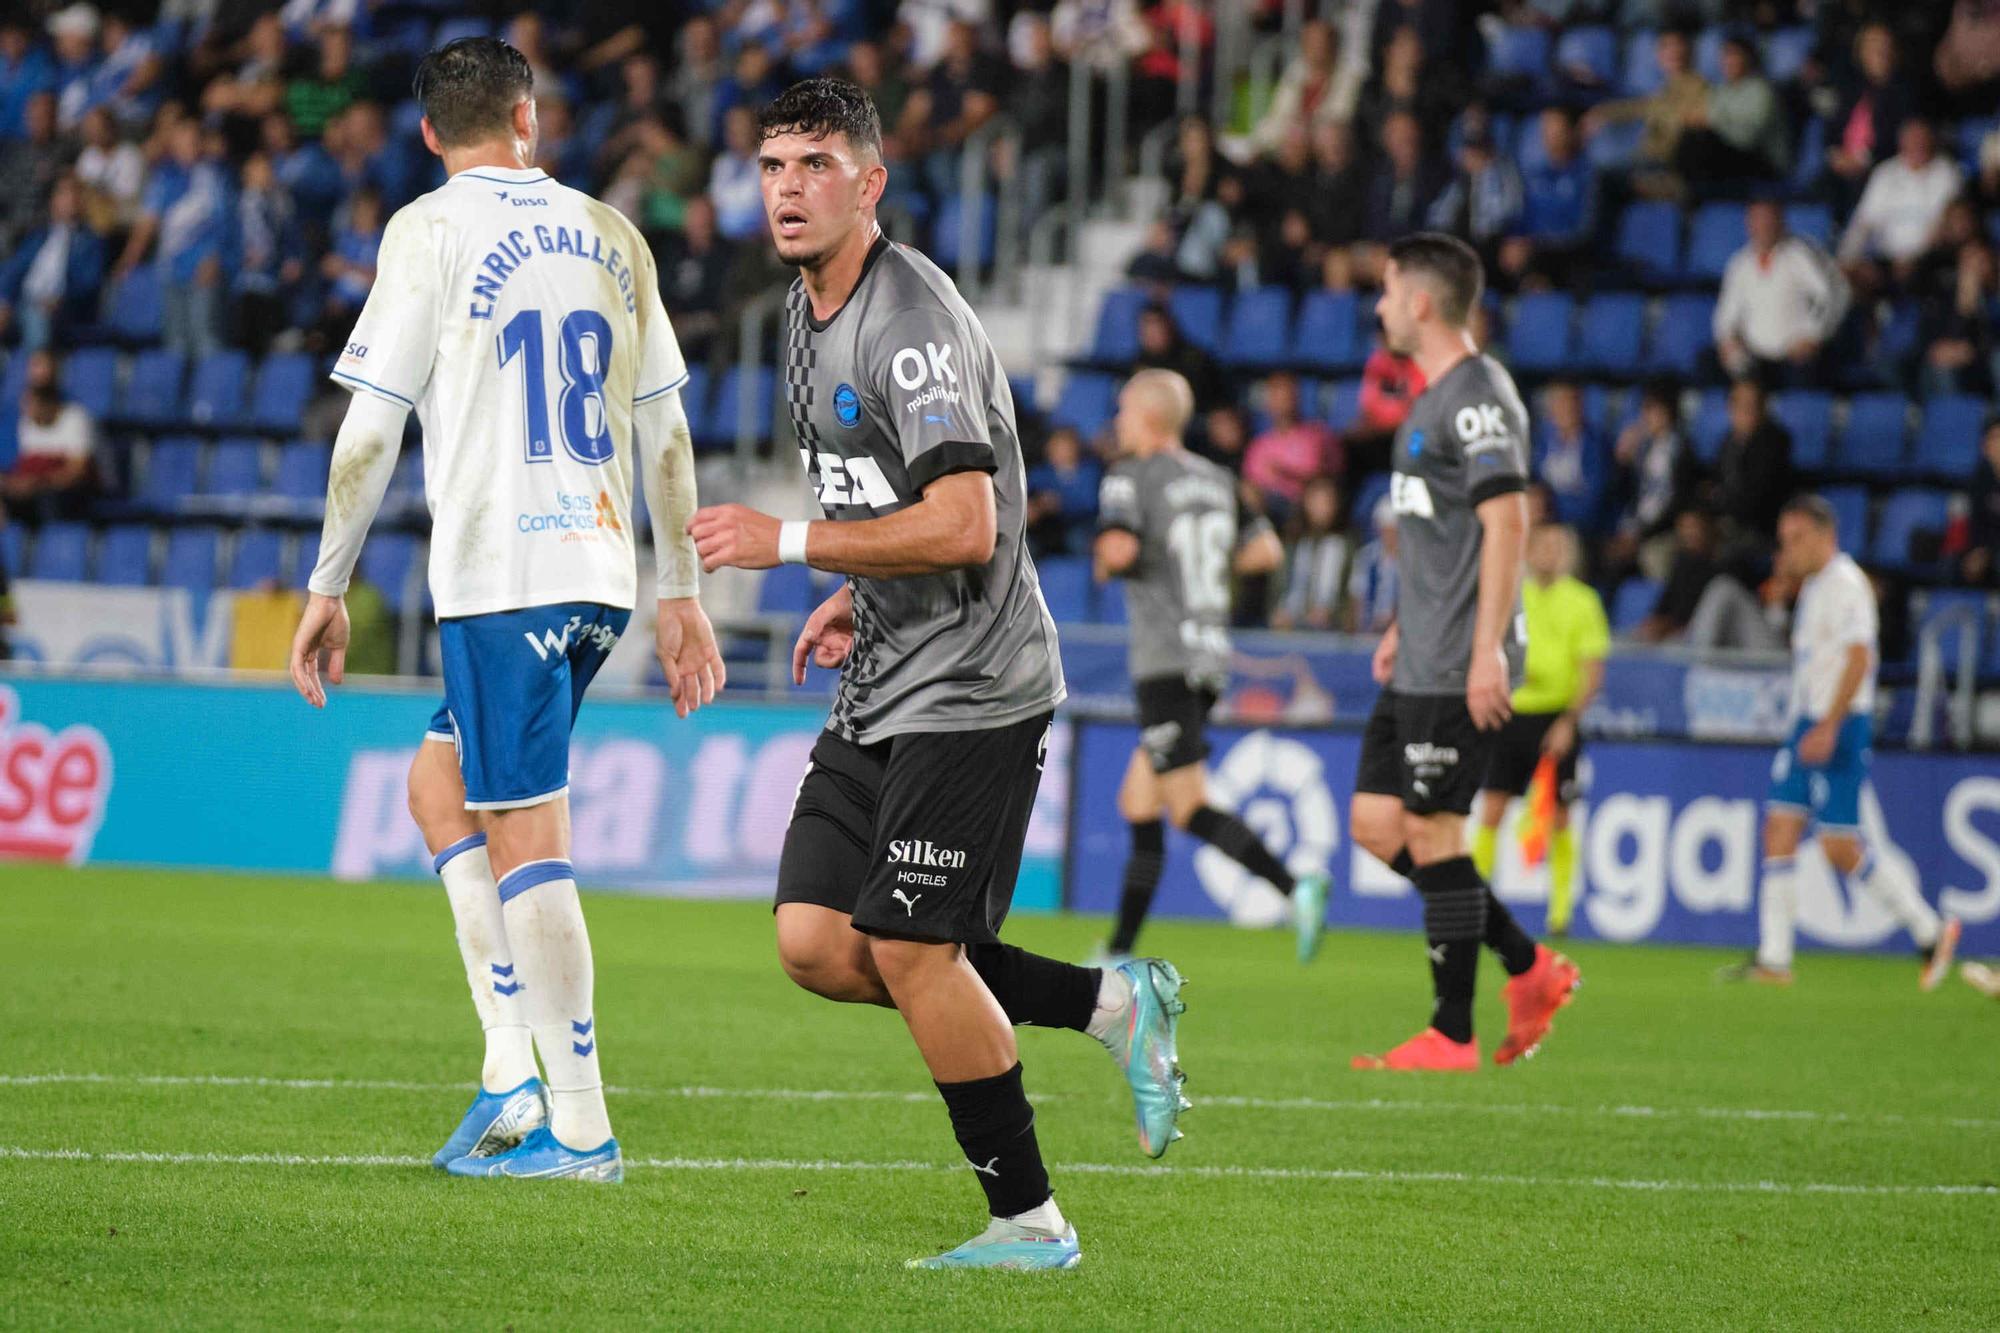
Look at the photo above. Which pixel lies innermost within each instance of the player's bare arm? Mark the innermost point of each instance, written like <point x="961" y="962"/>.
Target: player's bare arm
<point x="828" y="636"/>
<point x="683" y="639"/>
<point x="1560" y="738"/>
<point x="952" y="527"/>
<point x="1261" y="554"/>
<point x="1504" y="524"/>
<point x="1383" y="666"/>
<point x="1114" y="554"/>
<point x="1816" y="746"/>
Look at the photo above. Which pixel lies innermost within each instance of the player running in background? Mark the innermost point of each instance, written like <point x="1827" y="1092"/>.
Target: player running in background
<point x="899" y="865"/>
<point x="1568" y="637"/>
<point x="1449" y="663"/>
<point x="1171" y="526"/>
<point x="522" y="320"/>
<point x="1817" y="777"/>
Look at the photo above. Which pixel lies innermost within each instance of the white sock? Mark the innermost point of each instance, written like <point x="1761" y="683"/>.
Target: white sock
<point x="1777" y="910"/>
<point x="552" y="950"/>
<point x="489" y="964"/>
<point x="1046" y="1218"/>
<point x="1114" y="1002"/>
<point x="1887" y="883"/>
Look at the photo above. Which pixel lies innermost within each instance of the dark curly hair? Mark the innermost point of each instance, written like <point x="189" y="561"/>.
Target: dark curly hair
<point x="1452" y="266"/>
<point x="818" y="108"/>
<point x="469" y="89"/>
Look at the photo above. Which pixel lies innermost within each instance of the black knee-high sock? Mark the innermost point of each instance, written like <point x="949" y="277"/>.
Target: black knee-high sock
<point x="1233" y="838"/>
<point x="1142" y="879"/>
<point x="1454" y="924"/>
<point x="996" y="1130"/>
<point x="1505" y="937"/>
<point x="1046" y="992"/>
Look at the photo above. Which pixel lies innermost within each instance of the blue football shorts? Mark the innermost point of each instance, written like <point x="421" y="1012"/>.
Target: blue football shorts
<point x="1829" y="794"/>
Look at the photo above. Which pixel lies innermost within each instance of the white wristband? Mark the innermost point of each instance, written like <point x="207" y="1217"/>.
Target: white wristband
<point x="792" y="541"/>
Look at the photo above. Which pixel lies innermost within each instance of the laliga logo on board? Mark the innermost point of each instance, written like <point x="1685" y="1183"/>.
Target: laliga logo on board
<point x="1277" y="787"/>
<point x="53" y="787"/>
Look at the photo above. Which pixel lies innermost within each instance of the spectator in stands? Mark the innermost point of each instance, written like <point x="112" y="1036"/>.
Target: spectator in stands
<point x="1655" y="475"/>
<point x="1559" y="211"/>
<point x="256" y="88"/>
<point x="1874" y="103"/>
<point x="1979" y="562"/>
<point x="957" y="101"/>
<point x="1337" y="208"/>
<point x="1570" y="460"/>
<point x="54" y="472"/>
<point x="1316" y="565"/>
<point x="1062" y="496"/>
<point x="1037" y="102"/>
<point x="1900" y="209"/>
<point x="1406" y="85"/>
<point x="30" y="165"/>
<point x="698" y="72"/>
<point x="1483" y="202"/>
<point x="751" y="83"/>
<point x="1290" y="451"/>
<point x="694" y="270"/>
<point x="349" y="268"/>
<point x="273" y="256"/>
<point x="929" y="23"/>
<point x="526" y="33"/>
<point x="112" y="172"/>
<point x="1281" y="191"/>
<point x="24" y="71"/>
<point x="314" y="97"/>
<point x="1782" y="298"/>
<point x="1682" y="100"/>
<point x="1371" y="583"/>
<point x="558" y="149"/>
<point x="1967" y="59"/>
<point x="127" y="80"/>
<point x="190" y="212"/>
<point x="1316" y="90"/>
<point x="869" y="67"/>
<point x="1692" y="568"/>
<point x="1102" y="33"/>
<point x="48" y="287"/>
<point x="1739" y="133"/>
<point x="1157" y="71"/>
<point x="1751" y="481"/>
<point x="1225" y="437"/>
<point x="733" y="183"/>
<point x="1402" y="187"/>
<point x="1162" y="346"/>
<point x="1389" y="384"/>
<point x="73" y="36"/>
<point x="1960" y="354"/>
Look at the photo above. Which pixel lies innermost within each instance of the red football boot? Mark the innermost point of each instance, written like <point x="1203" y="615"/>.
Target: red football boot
<point x="1532" y="1000"/>
<point x="1429" y="1049"/>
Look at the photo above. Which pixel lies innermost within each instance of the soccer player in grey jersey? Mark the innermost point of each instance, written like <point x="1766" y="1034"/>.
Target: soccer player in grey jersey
<point x="1171" y="526"/>
<point x="899" y="865"/>
<point x="1449" y="665"/>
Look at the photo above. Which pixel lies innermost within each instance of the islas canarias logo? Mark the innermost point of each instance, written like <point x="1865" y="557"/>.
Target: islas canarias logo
<point x="607" y="513"/>
<point x="53" y="787"/>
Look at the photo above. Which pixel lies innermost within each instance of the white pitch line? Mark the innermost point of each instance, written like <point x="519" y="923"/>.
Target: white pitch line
<point x="697" y="1092"/>
<point x="1332" y="1175"/>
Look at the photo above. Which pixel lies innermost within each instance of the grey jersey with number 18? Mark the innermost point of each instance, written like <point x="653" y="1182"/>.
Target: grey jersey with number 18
<point x="896" y="389"/>
<point x="1463" y="443"/>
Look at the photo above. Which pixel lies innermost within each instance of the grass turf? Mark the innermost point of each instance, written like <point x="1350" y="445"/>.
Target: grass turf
<point x="1613" y="1181"/>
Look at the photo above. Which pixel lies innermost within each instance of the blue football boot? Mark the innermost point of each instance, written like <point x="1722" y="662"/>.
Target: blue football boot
<point x="1309" y="914"/>
<point x="1009" y="1246"/>
<point x="541" y="1156"/>
<point x="495" y="1122"/>
<point x="1144" y="1047"/>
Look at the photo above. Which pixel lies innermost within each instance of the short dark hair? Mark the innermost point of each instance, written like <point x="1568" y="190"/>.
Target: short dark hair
<point x="818" y="108"/>
<point x="1815" y="508"/>
<point x="469" y="88"/>
<point x="1450" y="264"/>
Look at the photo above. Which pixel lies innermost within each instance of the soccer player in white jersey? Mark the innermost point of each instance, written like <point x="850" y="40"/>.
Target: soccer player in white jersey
<point x="522" y="320"/>
<point x="1817" y="777"/>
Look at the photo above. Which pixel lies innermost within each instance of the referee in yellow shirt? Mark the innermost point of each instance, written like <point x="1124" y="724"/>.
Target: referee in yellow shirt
<point x="1568" y="637"/>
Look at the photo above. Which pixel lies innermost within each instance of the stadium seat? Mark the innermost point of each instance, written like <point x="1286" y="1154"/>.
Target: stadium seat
<point x="1716" y="234"/>
<point x="1198" y="311"/>
<point x="1538" y="338"/>
<point x="1972" y="132"/>
<point x="1087" y="401"/>
<point x="1850" y="514"/>
<point x="406" y="488"/>
<point x="301" y="474"/>
<point x="1066" y="587"/>
<point x="728" y="409"/>
<point x="1948" y="441"/>
<point x="1872" y="439"/>
<point x="1116" y="340"/>
<point x="1900" y="337"/>
<point x="1808" y="157"/>
<point x="90" y="377"/>
<point x="132" y="306"/>
<point x="284" y="387"/>
<point x="1517" y="52"/>
<point x="1615" y="147"/>
<point x="1708" y="53"/>
<point x="172" y="465"/>
<point x="1682" y="336"/>
<point x="1110" y="603"/>
<point x="1950" y="613"/>
<point x="1908" y="512"/>
<point x="1632" y="603"/>
<point x="258" y="558"/>
<point x="947" y="232"/>
<point x="235" y="469"/>
<point x="125" y="556"/>
<point x="1343" y="404"/>
<point x="696" y="398"/>
<point x="1589" y="51"/>
<point x="1372" y="492"/>
<point x="1649" y="241"/>
<point x="1255" y="334"/>
<point x="1641" y="75"/>
<point x="1610" y="333"/>
<point x="1328" y="334"/>
<point x="388" y="560"/>
<point x="1709" y="426"/>
<point x="453" y="29"/>
<point x="215" y="396"/>
<point x="191" y="559"/>
<point x="1786" y="51"/>
<point x="305" y="557"/>
<point x="1808" y="415"/>
<point x="786" y="590"/>
<point x="59" y="552"/>
<point x="1812" y="222"/>
<point x="13" y="547"/>
<point x="153" y="390"/>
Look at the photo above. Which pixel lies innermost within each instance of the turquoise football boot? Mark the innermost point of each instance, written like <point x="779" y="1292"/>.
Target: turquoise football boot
<point x="1011" y="1247"/>
<point x="1309" y="914"/>
<point x="541" y="1156"/>
<point x="495" y="1122"/>
<point x="1144" y="1046"/>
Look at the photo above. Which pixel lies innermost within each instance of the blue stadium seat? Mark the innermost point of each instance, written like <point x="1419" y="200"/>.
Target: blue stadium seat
<point x="13" y="546"/>
<point x="1328" y="334"/>
<point x="1087" y="401"/>
<point x="1110" y="606"/>
<point x="235" y="468"/>
<point x="786" y="590"/>
<point x="1948" y="441"/>
<point x="1808" y="415"/>
<point x="1371" y="494"/>
<point x="1632" y="603"/>
<point x="1908" y="512"/>
<point x="406" y="488"/>
<point x="1615" y="147"/>
<point x="1591" y="51"/>
<point x="1066" y="587"/>
<point x="696" y="398"/>
<point x="59" y="552"/>
<point x="153" y="391"/>
<point x="90" y="377"/>
<point x="1601" y="407"/>
<point x="387" y="560"/>
<point x="1517" y="52"/>
<point x="305" y="557"/>
<point x="452" y="29"/>
<point x="258" y="558"/>
<point x="1538" y="338"/>
<point x="284" y="387"/>
<point x="1649" y="241"/>
<point x="1900" y="336"/>
<point x="215" y="397"/>
<point x="125" y="556"/>
<point x="1972" y="132"/>
<point x="191" y="559"/>
<point x="947" y="240"/>
<point x="171" y="468"/>
<point x="1955" y="611"/>
<point x="301" y="474"/>
<point x="1708" y="53"/>
<point x="1641" y="74"/>
<point x="1808" y="157"/>
<point x="1343" y="404"/>
<point x="1710" y="426"/>
<point x="1117" y="336"/>
<point x="1786" y="51"/>
<point x="1872" y="439"/>
<point x="1850" y="514"/>
<point x="729" y="407"/>
<point x="1259" y="320"/>
<point x="1714" y="237"/>
<point x="1198" y="311"/>
<point x="1610" y="332"/>
<point x="132" y="306"/>
<point x="1812" y="222"/>
<point x="1684" y="333"/>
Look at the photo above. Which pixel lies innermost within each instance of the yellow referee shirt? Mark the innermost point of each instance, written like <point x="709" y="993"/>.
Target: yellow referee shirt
<point x="1566" y="630"/>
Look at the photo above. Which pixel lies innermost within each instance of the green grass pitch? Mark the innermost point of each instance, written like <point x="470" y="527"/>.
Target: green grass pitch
<point x="1680" y="1154"/>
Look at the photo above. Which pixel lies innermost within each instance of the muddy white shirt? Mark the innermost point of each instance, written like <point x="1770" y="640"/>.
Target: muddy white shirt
<point x="1836" y="610"/>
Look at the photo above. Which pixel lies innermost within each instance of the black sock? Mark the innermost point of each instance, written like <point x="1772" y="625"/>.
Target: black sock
<point x="1233" y="838"/>
<point x="1142" y="878"/>
<point x="1505" y="937"/>
<point x="996" y="1129"/>
<point x="1032" y="989"/>
<point x="1454" y="922"/>
<point x="1404" y="864"/>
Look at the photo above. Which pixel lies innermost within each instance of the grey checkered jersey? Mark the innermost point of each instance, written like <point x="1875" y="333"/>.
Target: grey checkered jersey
<point x="898" y="388"/>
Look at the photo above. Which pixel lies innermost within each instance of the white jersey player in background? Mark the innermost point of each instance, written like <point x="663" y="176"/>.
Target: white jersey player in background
<point x="522" y="320"/>
<point x="1819" y="774"/>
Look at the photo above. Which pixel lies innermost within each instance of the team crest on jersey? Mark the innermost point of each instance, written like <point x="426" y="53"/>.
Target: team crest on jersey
<point x="847" y="406"/>
<point x="1416" y="443"/>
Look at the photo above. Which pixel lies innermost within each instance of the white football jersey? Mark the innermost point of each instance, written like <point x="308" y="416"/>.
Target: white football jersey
<point x="1836" y="610"/>
<point x="522" y="320"/>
